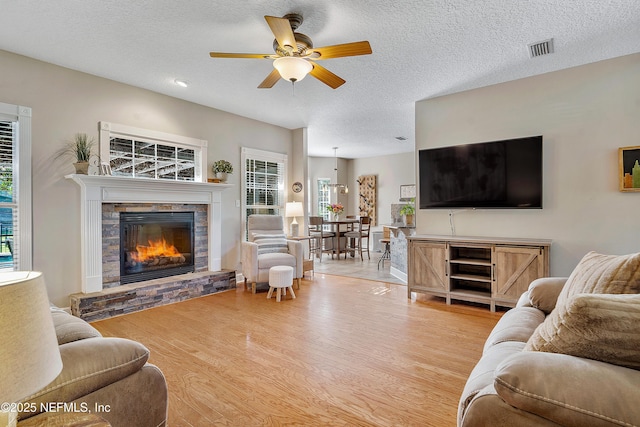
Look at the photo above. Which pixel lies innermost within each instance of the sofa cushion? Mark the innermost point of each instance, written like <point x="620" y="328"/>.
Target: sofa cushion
<point x="603" y="274"/>
<point x="90" y="364"/>
<point x="271" y="243"/>
<point x="267" y="261"/>
<point x="70" y="328"/>
<point x="515" y="325"/>
<point x="570" y="391"/>
<point x="600" y="327"/>
<point x="543" y="293"/>
<point x="483" y="373"/>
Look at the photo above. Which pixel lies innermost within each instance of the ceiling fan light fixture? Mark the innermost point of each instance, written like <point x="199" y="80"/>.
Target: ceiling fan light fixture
<point x="292" y="68"/>
<point x="181" y="83"/>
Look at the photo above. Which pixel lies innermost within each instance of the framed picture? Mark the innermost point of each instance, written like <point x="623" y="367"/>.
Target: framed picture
<point x="407" y="192"/>
<point x="629" y="166"/>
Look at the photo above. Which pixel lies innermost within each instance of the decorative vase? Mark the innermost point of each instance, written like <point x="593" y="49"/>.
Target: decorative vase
<point x="408" y="220"/>
<point x="82" y="168"/>
<point x="222" y="176"/>
<point x="336" y="217"/>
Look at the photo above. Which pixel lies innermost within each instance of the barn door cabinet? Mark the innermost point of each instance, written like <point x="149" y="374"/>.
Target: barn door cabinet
<point x="492" y="271"/>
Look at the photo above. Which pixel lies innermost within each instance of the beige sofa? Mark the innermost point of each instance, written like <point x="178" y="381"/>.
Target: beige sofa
<point x="109" y="377"/>
<point x="567" y="355"/>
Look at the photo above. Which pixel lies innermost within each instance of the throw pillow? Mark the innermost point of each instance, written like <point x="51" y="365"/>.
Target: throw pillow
<point x="271" y="243"/>
<point x="603" y="274"/>
<point x="594" y="326"/>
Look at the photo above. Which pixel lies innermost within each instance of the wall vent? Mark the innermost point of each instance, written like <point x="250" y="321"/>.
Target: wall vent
<point x="544" y="47"/>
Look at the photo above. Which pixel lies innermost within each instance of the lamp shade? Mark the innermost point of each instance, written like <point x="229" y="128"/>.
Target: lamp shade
<point x="292" y="68"/>
<point x="293" y="209"/>
<point x="29" y="354"/>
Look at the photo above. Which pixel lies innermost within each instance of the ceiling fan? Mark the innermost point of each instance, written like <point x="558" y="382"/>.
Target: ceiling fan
<point x="295" y="55"/>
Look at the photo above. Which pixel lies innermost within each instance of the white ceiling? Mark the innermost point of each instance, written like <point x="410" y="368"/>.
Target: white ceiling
<point x="421" y="49"/>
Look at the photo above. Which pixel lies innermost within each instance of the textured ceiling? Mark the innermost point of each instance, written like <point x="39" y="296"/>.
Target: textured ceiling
<point x="421" y="49"/>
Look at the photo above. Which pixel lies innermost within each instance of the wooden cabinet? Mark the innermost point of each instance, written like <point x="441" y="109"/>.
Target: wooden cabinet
<point x="482" y="270"/>
<point x="427" y="261"/>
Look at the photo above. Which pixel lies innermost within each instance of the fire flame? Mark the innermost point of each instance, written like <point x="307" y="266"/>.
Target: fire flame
<point x="157" y="248"/>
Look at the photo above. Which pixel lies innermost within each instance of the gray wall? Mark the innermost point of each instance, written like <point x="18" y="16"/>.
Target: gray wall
<point x="65" y="102"/>
<point x="585" y="114"/>
<point x="392" y="171"/>
<point x="324" y="167"/>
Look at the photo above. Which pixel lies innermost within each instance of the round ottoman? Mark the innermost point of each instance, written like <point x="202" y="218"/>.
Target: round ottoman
<point x="280" y="278"/>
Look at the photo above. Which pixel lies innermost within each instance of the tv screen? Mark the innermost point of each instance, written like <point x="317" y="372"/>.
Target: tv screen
<point x="497" y="174"/>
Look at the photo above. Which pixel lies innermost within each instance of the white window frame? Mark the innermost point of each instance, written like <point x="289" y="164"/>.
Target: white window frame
<point x="113" y="130"/>
<point x="267" y="156"/>
<point x="23" y="242"/>
<point x="323" y="190"/>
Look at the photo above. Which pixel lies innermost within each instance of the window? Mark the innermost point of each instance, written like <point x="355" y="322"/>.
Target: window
<point x="323" y="198"/>
<point x="264" y="175"/>
<point x="15" y="188"/>
<point x="141" y="153"/>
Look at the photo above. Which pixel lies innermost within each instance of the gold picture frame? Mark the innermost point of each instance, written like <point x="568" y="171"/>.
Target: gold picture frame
<point x="407" y="192"/>
<point x="629" y="168"/>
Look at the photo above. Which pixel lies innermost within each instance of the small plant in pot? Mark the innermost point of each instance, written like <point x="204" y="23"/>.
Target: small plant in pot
<point x="79" y="149"/>
<point x="221" y="168"/>
<point x="408" y="211"/>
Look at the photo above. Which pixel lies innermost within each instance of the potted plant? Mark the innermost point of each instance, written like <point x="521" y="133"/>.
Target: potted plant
<point x="221" y="168"/>
<point x="79" y="149"/>
<point x="408" y="211"/>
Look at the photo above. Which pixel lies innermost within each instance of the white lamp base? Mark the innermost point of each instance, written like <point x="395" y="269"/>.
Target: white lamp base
<point x="293" y="229"/>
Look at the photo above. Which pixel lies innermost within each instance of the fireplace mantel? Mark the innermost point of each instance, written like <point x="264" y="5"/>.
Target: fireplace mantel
<point x="97" y="189"/>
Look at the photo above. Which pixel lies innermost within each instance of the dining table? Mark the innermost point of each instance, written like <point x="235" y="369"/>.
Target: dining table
<point x="335" y="227"/>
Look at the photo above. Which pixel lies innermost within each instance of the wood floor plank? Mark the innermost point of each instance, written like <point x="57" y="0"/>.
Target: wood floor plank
<point x="345" y="352"/>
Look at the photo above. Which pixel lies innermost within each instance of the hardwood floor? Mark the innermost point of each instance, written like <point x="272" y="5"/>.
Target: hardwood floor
<point x="345" y="352"/>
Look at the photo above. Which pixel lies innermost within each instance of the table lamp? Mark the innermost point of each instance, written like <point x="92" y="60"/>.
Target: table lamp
<point x="292" y="210"/>
<point x="29" y="354"/>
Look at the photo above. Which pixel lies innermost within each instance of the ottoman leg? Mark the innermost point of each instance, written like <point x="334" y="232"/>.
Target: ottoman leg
<point x="278" y="293"/>
<point x="293" y="294"/>
<point x="270" y="292"/>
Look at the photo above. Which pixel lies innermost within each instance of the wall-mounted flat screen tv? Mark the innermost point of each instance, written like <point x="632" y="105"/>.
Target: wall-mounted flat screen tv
<point x="497" y="174"/>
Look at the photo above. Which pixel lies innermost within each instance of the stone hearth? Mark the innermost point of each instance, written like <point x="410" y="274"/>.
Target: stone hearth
<point x="152" y="293"/>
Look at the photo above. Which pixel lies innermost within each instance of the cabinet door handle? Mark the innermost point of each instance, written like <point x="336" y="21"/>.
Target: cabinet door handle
<point x="493" y="272"/>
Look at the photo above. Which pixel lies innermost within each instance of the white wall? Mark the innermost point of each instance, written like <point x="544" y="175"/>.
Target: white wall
<point x="392" y="171"/>
<point x="585" y="114"/>
<point x="65" y="102"/>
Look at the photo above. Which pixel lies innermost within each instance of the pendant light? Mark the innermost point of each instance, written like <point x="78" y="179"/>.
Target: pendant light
<point x="336" y="186"/>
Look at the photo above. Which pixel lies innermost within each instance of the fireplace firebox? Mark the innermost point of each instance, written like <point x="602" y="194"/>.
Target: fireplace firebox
<point x="155" y="244"/>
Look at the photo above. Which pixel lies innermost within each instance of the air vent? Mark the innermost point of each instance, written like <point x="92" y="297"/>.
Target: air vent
<point x="541" y="48"/>
<point x="401" y="138"/>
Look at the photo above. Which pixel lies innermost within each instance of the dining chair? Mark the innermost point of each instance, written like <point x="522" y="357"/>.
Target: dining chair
<point x="318" y="235"/>
<point x="357" y="237"/>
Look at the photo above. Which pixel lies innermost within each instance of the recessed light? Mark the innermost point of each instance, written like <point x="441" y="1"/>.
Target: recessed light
<point x="181" y="83"/>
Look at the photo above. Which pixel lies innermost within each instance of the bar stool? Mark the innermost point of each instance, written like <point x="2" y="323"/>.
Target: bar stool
<point x="387" y="252"/>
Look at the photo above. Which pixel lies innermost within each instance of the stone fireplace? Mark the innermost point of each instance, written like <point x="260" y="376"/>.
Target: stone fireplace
<point x="147" y="242"/>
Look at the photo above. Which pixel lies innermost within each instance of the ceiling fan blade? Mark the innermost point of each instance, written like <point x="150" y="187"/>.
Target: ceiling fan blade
<point x="281" y="28"/>
<point x="240" y="55"/>
<point x="271" y="80"/>
<point x="342" y="50"/>
<point x="326" y="76"/>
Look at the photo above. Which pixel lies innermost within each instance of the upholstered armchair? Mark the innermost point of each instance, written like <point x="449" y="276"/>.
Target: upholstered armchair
<point x="267" y="246"/>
